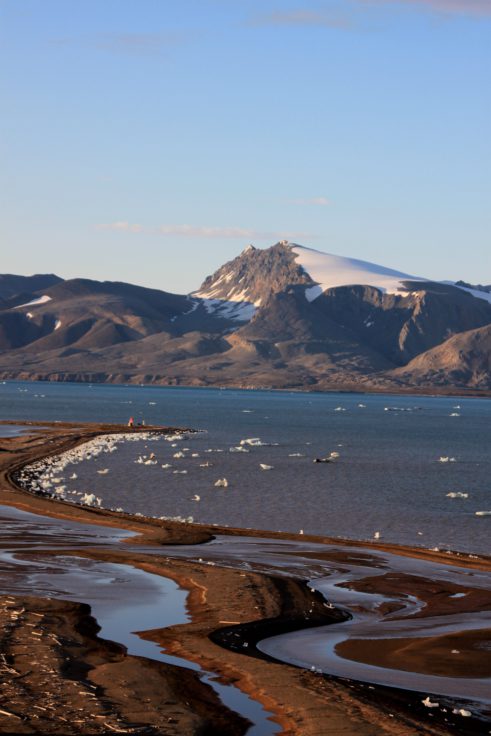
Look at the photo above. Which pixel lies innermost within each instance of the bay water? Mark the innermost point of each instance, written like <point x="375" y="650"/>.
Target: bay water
<point x="396" y="459"/>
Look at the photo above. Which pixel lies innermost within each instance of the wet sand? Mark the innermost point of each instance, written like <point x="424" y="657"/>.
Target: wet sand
<point x="102" y="684"/>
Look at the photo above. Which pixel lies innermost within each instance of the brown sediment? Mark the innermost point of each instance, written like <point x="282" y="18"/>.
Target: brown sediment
<point x="222" y="602"/>
<point x="450" y="655"/>
<point x="59" y="677"/>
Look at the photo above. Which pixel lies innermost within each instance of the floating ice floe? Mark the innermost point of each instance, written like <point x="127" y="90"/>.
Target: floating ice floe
<point x="457" y="494"/>
<point x="179" y="454"/>
<point x="295" y="454"/>
<point x="340" y="408"/>
<point x="221" y="483"/>
<point x="166" y="465"/>
<point x="196" y="497"/>
<point x="252" y="441"/>
<point x="241" y="448"/>
<point x="483" y="513"/>
<point x="263" y="466"/>
<point x="454" y="414"/>
<point x="43" y="475"/>
<point x="462" y="712"/>
<point x="103" y="472"/>
<point x="446" y="459"/>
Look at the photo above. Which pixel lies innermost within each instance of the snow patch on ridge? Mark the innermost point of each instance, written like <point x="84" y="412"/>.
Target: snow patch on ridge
<point x="475" y="292"/>
<point x="330" y="271"/>
<point x="40" y="300"/>
<point x="240" y="311"/>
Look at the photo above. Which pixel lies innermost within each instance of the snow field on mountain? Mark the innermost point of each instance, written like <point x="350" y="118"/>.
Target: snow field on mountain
<point x="330" y="271"/>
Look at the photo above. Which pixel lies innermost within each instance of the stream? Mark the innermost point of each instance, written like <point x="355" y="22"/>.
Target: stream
<point x="123" y="598"/>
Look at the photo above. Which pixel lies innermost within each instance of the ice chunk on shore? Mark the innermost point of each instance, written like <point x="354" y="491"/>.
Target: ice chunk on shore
<point x="90" y="499"/>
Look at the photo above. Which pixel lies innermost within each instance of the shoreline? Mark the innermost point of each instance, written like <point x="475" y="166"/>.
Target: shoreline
<point x="347" y="388"/>
<point x="255" y="597"/>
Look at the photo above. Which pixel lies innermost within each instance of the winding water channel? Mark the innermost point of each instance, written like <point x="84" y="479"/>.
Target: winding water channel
<point x="125" y="599"/>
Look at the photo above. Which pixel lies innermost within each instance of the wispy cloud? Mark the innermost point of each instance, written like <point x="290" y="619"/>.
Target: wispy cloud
<point x="349" y="18"/>
<point x="121" y="226"/>
<point x="446" y="7"/>
<point x="202" y="231"/>
<point x="321" y="19"/>
<point x="315" y="201"/>
<point x="137" y="44"/>
<point x="241" y="233"/>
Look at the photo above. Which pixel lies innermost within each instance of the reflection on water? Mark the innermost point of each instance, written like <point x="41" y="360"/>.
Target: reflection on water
<point x="123" y="599"/>
<point x="336" y="571"/>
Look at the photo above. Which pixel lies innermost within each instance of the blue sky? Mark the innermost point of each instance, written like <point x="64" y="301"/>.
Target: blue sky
<point x="150" y="141"/>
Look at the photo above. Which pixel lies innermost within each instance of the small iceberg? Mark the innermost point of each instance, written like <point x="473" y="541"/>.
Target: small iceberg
<point x="221" y="483"/>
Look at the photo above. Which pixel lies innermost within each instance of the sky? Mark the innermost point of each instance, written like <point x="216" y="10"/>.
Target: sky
<point x="149" y="141"/>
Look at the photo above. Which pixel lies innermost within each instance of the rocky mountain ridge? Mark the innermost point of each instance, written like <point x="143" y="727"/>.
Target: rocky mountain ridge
<point x="283" y="317"/>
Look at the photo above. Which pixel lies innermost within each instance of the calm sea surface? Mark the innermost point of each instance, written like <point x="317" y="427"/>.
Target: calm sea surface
<point x="388" y="477"/>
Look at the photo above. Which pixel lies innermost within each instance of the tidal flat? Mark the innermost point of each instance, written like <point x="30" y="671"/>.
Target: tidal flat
<point x="398" y="637"/>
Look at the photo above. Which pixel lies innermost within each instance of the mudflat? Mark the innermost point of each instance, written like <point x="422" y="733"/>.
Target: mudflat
<point x="59" y="676"/>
